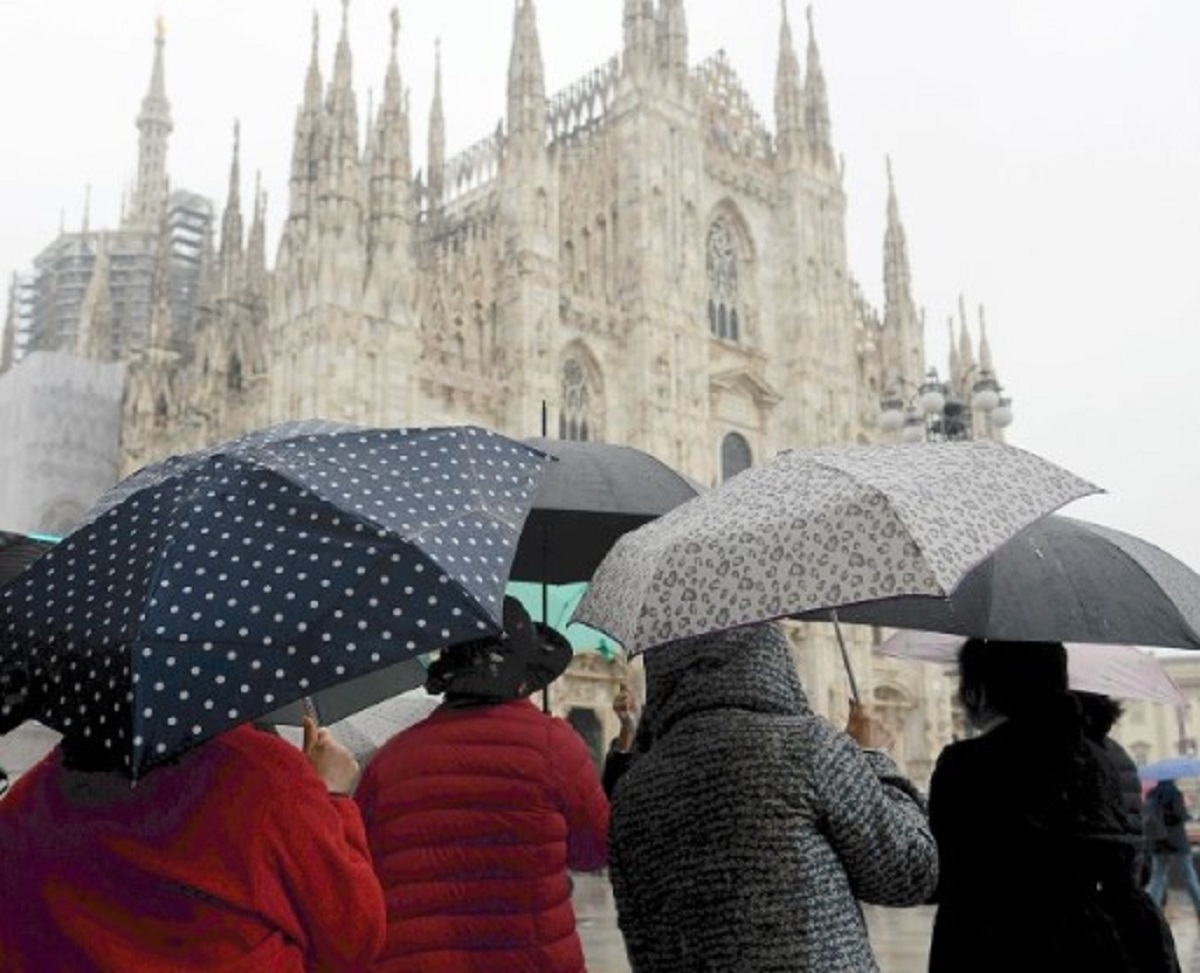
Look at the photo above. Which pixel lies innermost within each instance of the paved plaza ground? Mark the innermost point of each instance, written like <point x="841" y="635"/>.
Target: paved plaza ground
<point x="900" y="936"/>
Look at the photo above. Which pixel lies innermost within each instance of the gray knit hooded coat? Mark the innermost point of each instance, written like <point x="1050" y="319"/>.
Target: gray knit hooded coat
<point x="748" y="829"/>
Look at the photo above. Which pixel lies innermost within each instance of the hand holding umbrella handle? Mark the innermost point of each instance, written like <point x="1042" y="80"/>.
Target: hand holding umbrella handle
<point x="867" y="729"/>
<point x="625" y="707"/>
<point x="334" y="764"/>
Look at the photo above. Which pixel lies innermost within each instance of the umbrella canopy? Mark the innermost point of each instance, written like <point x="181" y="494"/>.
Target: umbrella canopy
<point x="821" y="528"/>
<point x="1122" y="671"/>
<point x="1060" y="580"/>
<point x="18" y="551"/>
<point x="1173" y="768"/>
<point x="163" y="470"/>
<point x="590" y="495"/>
<point x="339" y="702"/>
<point x="369" y="729"/>
<point x="560" y="603"/>
<point x="235" y="580"/>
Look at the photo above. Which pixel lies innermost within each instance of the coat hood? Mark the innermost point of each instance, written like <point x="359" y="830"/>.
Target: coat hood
<point x="748" y="668"/>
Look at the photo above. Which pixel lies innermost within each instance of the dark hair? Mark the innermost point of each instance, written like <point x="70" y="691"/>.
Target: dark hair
<point x="523" y="659"/>
<point x="1011" y="678"/>
<point x="1100" y="713"/>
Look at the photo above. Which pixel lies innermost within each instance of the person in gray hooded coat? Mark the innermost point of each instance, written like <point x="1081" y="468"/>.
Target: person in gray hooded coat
<point x="747" y="829"/>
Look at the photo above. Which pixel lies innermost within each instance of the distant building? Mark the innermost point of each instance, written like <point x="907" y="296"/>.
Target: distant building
<point x="190" y="225"/>
<point x="51" y="300"/>
<point x="22" y="297"/>
<point x="62" y="428"/>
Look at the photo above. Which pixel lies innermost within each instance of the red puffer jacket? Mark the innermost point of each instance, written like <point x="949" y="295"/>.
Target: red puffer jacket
<point x="473" y="817"/>
<point x="233" y="859"/>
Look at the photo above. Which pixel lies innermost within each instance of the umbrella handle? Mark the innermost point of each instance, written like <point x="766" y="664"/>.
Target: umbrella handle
<point x="845" y="657"/>
<point x="545" y="587"/>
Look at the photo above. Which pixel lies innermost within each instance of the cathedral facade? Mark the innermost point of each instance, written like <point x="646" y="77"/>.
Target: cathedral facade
<point x="638" y="252"/>
<point x="639" y="258"/>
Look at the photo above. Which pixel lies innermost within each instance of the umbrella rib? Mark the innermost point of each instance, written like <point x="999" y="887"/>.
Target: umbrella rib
<point x="1126" y="557"/>
<point x="477" y="506"/>
<point x="908" y="532"/>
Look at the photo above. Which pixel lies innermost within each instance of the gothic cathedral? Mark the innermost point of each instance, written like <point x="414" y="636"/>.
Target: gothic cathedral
<point x="636" y="259"/>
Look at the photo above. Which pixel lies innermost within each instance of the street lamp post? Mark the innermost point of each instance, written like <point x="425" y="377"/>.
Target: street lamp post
<point x="939" y="411"/>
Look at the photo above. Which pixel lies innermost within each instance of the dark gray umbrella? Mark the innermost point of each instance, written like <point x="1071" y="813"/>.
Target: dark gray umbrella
<point x="17" y="552"/>
<point x="347" y="698"/>
<point x="1061" y="580"/>
<point x="589" y="495"/>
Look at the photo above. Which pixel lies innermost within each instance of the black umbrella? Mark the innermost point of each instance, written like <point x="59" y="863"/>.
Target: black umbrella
<point x="17" y="552"/>
<point x="591" y="494"/>
<point x="1060" y="580"/>
<point x="232" y="581"/>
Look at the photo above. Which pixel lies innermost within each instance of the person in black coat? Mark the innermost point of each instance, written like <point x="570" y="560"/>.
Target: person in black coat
<point x="620" y="750"/>
<point x="1037" y="862"/>
<point x="1100" y="715"/>
<point x="1166" y="814"/>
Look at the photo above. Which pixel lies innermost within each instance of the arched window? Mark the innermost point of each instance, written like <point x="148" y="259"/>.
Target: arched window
<point x="721" y="265"/>
<point x="568" y="260"/>
<point x="602" y="257"/>
<point x="576" y="402"/>
<point x="735" y="455"/>
<point x="234" y="378"/>
<point x="583" y="265"/>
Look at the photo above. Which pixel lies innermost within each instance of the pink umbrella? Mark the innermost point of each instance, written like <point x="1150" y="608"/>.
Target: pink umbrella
<point x="1123" y="671"/>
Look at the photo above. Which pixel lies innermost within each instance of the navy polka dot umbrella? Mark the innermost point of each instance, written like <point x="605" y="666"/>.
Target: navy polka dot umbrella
<point x="217" y="586"/>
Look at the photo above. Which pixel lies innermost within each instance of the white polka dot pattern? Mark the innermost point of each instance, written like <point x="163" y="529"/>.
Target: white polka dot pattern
<point x="217" y="586"/>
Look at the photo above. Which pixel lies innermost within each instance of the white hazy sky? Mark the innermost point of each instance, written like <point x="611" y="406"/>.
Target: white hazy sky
<point x="1046" y="157"/>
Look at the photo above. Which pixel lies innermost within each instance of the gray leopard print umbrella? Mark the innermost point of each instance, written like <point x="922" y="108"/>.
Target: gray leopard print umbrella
<point x="821" y="528"/>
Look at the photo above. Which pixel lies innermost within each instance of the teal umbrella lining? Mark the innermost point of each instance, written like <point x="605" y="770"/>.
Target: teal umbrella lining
<point x="561" y="600"/>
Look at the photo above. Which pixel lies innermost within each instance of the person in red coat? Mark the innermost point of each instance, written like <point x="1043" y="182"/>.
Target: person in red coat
<point x="243" y="856"/>
<point x="475" y="814"/>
